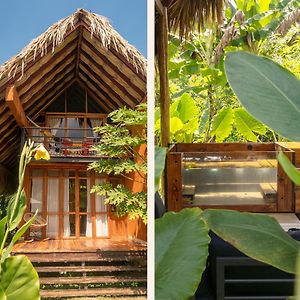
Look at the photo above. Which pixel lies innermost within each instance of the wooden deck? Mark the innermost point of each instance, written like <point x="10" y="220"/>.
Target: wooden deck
<point x="77" y="245"/>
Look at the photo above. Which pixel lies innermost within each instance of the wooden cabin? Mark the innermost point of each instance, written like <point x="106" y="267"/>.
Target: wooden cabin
<point x="64" y="83"/>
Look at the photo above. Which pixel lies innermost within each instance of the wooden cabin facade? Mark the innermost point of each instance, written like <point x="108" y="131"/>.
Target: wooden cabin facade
<point x="61" y="86"/>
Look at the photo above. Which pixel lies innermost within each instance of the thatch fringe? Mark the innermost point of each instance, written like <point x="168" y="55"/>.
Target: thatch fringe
<point x="99" y="27"/>
<point x="185" y="15"/>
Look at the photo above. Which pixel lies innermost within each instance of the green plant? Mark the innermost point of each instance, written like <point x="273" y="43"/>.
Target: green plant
<point x="196" y="68"/>
<point x="270" y="93"/>
<point x="18" y="278"/>
<point x="119" y="154"/>
<point x="181" y="246"/>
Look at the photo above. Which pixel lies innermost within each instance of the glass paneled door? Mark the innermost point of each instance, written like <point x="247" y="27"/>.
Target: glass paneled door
<point x="63" y="199"/>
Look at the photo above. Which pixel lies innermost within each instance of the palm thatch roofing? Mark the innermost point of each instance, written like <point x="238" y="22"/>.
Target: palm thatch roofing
<point x="83" y="47"/>
<point x="184" y="16"/>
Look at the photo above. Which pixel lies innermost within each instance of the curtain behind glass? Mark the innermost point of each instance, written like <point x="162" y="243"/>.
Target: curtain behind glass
<point x="96" y="123"/>
<point x="36" y="200"/>
<point x="54" y="122"/>
<point x="89" y="216"/>
<point x="52" y="206"/>
<point x="66" y="208"/>
<point x="101" y="220"/>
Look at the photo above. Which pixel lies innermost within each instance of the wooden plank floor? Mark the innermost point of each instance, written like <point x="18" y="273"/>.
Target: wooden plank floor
<point x="77" y="245"/>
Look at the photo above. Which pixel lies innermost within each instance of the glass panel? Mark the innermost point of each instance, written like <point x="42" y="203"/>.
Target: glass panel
<point x="231" y="178"/>
<point x="89" y="226"/>
<point x="83" y="220"/>
<point x="90" y="124"/>
<point x="69" y="225"/>
<point x="100" y="205"/>
<point x="52" y="226"/>
<point x="36" y="199"/>
<point x="71" y="195"/>
<point x="36" y="232"/>
<point x="76" y="124"/>
<point x="101" y="225"/>
<point x="59" y="124"/>
<point x="82" y="195"/>
<point x="52" y="194"/>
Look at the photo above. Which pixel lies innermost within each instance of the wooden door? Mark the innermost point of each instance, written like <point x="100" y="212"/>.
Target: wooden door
<point x="63" y="199"/>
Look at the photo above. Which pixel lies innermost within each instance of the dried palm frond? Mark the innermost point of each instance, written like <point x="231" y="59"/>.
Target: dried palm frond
<point x="231" y="33"/>
<point x="285" y="25"/>
<point x="55" y="35"/>
<point x="185" y="15"/>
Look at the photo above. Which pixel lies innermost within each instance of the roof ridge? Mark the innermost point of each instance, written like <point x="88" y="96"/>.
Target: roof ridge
<point x="99" y="27"/>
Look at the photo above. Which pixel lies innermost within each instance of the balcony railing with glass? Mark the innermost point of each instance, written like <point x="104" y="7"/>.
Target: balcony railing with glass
<point x="67" y="142"/>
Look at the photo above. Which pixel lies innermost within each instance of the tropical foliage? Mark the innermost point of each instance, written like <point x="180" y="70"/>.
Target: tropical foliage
<point x="120" y="140"/>
<point x="270" y="95"/>
<point x="196" y="70"/>
<point x="18" y="278"/>
<point x="178" y="267"/>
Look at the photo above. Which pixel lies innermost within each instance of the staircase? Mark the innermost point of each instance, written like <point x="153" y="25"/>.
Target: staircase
<point x="65" y="275"/>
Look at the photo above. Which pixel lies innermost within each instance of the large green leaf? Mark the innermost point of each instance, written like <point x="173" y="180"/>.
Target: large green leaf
<point x="247" y="125"/>
<point x="187" y="108"/>
<point x="16" y="237"/>
<point x="292" y="172"/>
<point x="160" y="158"/>
<point x="222" y="124"/>
<point x="175" y="125"/>
<point x="181" y="249"/>
<point x="257" y="235"/>
<point x="19" y="280"/>
<point x="269" y="92"/>
<point x="15" y="216"/>
<point x="2" y="228"/>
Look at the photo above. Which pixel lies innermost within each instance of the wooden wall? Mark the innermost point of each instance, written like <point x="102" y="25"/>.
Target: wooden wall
<point x="7" y="180"/>
<point x="295" y="147"/>
<point x="124" y="227"/>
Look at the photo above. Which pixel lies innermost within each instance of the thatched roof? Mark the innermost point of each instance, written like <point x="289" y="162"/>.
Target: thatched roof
<point x="186" y="15"/>
<point x="82" y="47"/>
<point x="55" y="35"/>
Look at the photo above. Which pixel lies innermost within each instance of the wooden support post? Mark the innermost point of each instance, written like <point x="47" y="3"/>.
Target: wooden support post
<point x="174" y="182"/>
<point x="14" y="103"/>
<point x="162" y="57"/>
<point x="285" y="188"/>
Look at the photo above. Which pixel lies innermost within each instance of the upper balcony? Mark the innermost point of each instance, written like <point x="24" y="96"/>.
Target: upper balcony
<point x="67" y="136"/>
<point x="75" y="143"/>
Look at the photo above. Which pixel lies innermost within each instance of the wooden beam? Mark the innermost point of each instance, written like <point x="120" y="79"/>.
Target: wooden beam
<point x="162" y="57"/>
<point x="159" y="6"/>
<point x="78" y="51"/>
<point x="14" y="103"/>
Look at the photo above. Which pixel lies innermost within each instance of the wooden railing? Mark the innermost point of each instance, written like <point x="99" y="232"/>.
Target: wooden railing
<point x="66" y="142"/>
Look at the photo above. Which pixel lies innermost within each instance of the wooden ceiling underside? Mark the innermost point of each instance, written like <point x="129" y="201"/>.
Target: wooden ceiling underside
<point x="110" y="79"/>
